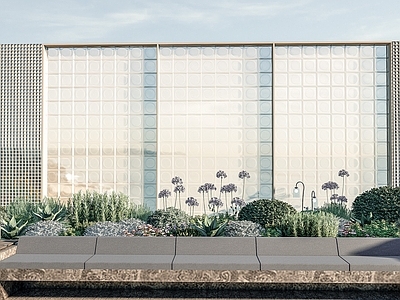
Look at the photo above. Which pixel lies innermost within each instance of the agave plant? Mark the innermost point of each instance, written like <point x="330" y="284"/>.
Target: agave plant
<point x="210" y="226"/>
<point x="50" y="210"/>
<point x="11" y="228"/>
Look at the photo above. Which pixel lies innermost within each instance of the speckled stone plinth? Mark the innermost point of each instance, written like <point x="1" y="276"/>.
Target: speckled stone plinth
<point x="200" y="276"/>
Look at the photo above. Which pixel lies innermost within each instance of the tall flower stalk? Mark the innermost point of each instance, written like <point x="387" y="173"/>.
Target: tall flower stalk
<point x="243" y="175"/>
<point x="178" y="189"/>
<point x="343" y="173"/>
<point x="164" y="194"/>
<point x="221" y="174"/>
<point x="332" y="186"/>
<point x="214" y="204"/>
<point x="202" y="189"/>
<point x="191" y="202"/>
<point x="237" y="205"/>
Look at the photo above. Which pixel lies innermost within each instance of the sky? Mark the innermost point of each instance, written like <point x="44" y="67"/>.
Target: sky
<point x="136" y="21"/>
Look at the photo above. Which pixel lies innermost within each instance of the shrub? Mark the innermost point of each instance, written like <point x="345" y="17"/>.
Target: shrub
<point x="242" y="228"/>
<point x="375" y="229"/>
<point x="382" y="202"/>
<point x="337" y="209"/>
<point x="141" y="212"/>
<point x="46" y="228"/>
<point x="310" y="224"/>
<point x="171" y="215"/>
<point x="265" y="212"/>
<point x="92" y="207"/>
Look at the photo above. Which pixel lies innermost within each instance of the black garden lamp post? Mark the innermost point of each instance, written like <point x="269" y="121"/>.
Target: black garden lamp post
<point x="296" y="193"/>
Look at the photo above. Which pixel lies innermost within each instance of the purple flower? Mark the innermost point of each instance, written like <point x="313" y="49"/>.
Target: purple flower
<point x="164" y="193"/>
<point x="238" y="202"/>
<point x="221" y="174"/>
<point x="179" y="189"/>
<point x="202" y="189"/>
<point x="177" y="180"/>
<point x="232" y="187"/>
<point x="330" y="185"/>
<point x="343" y="173"/>
<point x="229" y="188"/>
<point x="342" y="199"/>
<point x="243" y="174"/>
<point x="190" y="201"/>
<point x="334" y="197"/>
<point x="210" y="186"/>
<point x="214" y="201"/>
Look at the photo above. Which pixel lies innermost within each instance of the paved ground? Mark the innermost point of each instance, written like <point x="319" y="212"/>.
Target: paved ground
<point x="124" y="294"/>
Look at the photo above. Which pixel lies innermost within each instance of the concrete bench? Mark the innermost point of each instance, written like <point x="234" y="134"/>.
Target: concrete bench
<point x="51" y="253"/>
<point x="210" y="253"/>
<point x="133" y="253"/>
<point x="370" y="254"/>
<point x="198" y="262"/>
<point x="305" y="253"/>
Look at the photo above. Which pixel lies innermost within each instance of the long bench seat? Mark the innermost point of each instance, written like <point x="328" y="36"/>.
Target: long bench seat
<point x="202" y="260"/>
<point x="206" y="253"/>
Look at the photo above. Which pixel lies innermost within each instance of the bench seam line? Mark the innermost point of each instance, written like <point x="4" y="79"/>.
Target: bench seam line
<point x="337" y="247"/>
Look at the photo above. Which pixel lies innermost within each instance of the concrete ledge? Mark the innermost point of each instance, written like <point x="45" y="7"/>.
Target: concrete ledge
<point x="201" y="276"/>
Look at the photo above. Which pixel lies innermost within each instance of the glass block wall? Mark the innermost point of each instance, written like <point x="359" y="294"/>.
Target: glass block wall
<point x="21" y="121"/>
<point x="395" y="111"/>
<point x="100" y="124"/>
<point x="330" y="113"/>
<point x="215" y="111"/>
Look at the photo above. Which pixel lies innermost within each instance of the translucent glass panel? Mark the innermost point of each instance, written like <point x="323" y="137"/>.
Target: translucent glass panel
<point x="330" y="113"/>
<point x="20" y="126"/>
<point x="395" y="111"/>
<point x="100" y="121"/>
<point x="215" y="113"/>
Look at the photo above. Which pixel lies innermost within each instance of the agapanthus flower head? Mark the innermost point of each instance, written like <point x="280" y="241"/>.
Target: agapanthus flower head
<point x="343" y="173"/>
<point x="177" y="180"/>
<point x="225" y="189"/>
<point x="202" y="189"/>
<point x="190" y="201"/>
<point x="210" y="186"/>
<point x="221" y="174"/>
<point x="342" y="199"/>
<point x="232" y="187"/>
<point x="179" y="188"/>
<point x="164" y="194"/>
<point x="214" y="201"/>
<point x="244" y="174"/>
<point x="334" y="197"/>
<point x="330" y="185"/>
<point x="238" y="202"/>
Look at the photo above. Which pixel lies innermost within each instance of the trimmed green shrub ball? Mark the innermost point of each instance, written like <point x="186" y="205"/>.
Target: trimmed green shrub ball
<point x="170" y="216"/>
<point x="383" y="203"/>
<point x="266" y="212"/>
